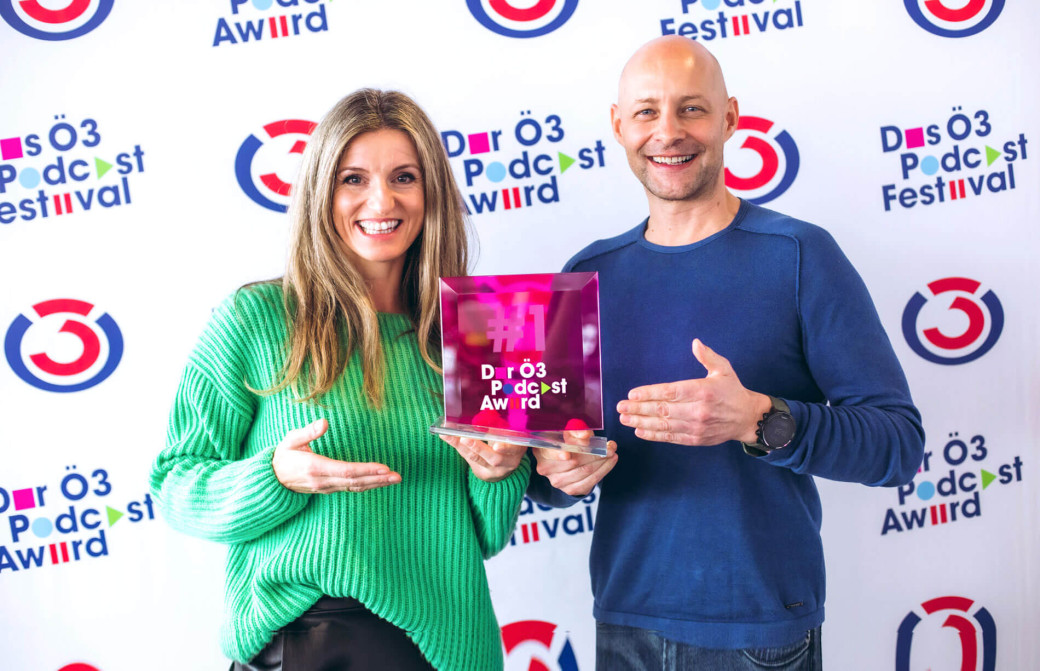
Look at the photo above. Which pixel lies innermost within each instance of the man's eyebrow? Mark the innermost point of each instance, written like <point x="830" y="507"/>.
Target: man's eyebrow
<point x="691" y="96"/>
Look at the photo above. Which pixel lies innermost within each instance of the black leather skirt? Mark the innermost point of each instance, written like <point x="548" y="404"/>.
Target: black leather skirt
<point x="338" y="635"/>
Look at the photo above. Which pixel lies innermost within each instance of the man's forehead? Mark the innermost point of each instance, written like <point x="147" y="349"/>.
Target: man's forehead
<point x="673" y="68"/>
<point x="656" y="84"/>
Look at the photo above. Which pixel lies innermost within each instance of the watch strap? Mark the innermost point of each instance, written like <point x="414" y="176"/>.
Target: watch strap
<point x="758" y="448"/>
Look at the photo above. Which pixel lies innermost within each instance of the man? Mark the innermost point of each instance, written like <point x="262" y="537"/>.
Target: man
<point x="707" y="552"/>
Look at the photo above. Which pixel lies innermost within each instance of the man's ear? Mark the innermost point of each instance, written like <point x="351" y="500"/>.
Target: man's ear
<point x="615" y="122"/>
<point x="732" y="117"/>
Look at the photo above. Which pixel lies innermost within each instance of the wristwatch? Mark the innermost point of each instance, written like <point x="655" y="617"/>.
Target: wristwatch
<point x="776" y="429"/>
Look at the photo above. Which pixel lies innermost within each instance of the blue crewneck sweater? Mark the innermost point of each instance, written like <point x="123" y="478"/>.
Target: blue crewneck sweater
<point x="708" y="545"/>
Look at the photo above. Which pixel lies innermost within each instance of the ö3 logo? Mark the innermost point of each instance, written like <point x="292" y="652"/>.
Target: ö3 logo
<point x="539" y="18"/>
<point x="77" y="18"/>
<point x="533" y="638"/>
<point x="101" y="346"/>
<point x="971" y="18"/>
<point x="272" y="192"/>
<point x="951" y="611"/>
<point x="772" y="177"/>
<point x="984" y="313"/>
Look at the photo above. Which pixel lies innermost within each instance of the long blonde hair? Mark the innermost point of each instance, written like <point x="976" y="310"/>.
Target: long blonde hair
<point x="325" y="296"/>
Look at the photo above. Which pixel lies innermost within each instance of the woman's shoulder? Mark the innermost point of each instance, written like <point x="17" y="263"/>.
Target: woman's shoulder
<point x="254" y="311"/>
<point x="244" y="334"/>
<point x="257" y="299"/>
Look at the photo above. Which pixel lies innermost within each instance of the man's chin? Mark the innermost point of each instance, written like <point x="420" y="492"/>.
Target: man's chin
<point x="677" y="193"/>
<point x="689" y="190"/>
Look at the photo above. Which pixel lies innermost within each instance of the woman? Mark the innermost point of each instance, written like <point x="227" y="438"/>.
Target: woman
<point x="299" y="433"/>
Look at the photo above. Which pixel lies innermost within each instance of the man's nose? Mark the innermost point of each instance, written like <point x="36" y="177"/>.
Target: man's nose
<point x="668" y="127"/>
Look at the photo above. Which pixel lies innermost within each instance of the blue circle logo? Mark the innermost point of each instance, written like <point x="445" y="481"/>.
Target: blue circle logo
<point x="551" y="649"/>
<point x="267" y="188"/>
<point x="969" y="625"/>
<point x="938" y="19"/>
<point x="99" y="349"/>
<point x="776" y="169"/>
<point x="76" y="19"/>
<point x="501" y="17"/>
<point x="982" y="318"/>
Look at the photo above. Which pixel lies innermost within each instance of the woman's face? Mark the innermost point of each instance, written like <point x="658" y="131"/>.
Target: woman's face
<point x="377" y="202"/>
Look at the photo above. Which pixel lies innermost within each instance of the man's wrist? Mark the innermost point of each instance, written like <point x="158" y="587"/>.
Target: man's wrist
<point x="760" y="405"/>
<point x="776" y="430"/>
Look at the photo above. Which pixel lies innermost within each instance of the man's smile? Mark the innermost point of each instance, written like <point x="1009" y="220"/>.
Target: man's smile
<point x="672" y="160"/>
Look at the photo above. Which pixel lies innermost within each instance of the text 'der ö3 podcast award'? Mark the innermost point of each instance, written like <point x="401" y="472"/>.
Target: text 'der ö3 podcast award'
<point x="521" y="359"/>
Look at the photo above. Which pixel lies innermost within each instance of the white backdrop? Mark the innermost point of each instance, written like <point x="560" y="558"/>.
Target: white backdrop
<point x="140" y="141"/>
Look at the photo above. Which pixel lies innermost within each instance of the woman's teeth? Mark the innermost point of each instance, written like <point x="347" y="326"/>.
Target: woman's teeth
<point x="376" y="227"/>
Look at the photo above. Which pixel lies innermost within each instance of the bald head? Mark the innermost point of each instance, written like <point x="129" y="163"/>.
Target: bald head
<point x="671" y="57"/>
<point x="673" y="116"/>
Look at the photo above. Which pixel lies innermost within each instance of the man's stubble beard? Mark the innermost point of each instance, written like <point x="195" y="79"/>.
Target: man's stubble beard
<point x="703" y="185"/>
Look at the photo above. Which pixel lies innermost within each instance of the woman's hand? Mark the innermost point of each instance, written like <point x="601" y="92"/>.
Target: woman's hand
<point x="490" y="463"/>
<point x="299" y="469"/>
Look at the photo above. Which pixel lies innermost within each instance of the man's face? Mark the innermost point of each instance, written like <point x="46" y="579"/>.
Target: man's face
<point x="672" y="118"/>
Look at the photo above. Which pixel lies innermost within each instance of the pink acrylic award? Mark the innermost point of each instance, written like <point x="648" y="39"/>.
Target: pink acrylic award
<point x="521" y="359"/>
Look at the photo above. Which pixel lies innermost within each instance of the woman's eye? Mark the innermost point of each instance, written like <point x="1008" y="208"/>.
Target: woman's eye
<point x="405" y="178"/>
<point x="352" y="179"/>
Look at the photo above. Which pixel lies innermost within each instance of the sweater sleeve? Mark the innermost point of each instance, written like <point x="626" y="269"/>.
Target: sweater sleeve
<point x="204" y="481"/>
<point x="868" y="430"/>
<point x="496" y="507"/>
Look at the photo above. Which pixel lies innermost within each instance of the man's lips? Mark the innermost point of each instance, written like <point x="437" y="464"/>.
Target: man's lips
<point x="672" y="160"/>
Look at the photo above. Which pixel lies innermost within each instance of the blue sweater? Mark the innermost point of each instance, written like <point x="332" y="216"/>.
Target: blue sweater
<point x="708" y="545"/>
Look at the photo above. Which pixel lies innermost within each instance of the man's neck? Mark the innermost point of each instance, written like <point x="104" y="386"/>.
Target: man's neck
<point x="674" y="223"/>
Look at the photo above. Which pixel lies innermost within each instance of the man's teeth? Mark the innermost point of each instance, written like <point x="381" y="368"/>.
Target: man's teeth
<point x="671" y="160"/>
<point x="375" y="227"/>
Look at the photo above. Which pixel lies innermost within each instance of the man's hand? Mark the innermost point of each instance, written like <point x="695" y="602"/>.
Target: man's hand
<point x="490" y="463"/>
<point x="575" y="473"/>
<point x="299" y="469"/>
<point x="709" y="411"/>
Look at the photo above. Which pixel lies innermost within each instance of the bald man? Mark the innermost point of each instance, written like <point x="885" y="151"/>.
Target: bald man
<point x="706" y="552"/>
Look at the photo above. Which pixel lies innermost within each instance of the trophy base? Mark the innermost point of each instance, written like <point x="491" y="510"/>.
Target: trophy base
<point x="597" y="445"/>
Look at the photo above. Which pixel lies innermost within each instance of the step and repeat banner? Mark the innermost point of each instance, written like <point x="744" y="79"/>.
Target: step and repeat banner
<point x="147" y="152"/>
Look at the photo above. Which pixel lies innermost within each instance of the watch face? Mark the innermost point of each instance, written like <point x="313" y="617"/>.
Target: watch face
<point x="778" y="430"/>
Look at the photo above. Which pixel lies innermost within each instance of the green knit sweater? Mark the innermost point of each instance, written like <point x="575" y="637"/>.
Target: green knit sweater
<point x="411" y="552"/>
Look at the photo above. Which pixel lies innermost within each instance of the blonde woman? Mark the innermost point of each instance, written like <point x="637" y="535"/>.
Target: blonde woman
<point x="299" y="435"/>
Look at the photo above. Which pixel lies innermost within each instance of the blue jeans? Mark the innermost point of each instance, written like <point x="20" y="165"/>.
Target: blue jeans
<point x="620" y="648"/>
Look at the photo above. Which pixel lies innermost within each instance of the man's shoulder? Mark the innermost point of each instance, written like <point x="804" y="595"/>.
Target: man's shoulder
<point x="601" y="248"/>
<point x="814" y="244"/>
<point x="763" y="220"/>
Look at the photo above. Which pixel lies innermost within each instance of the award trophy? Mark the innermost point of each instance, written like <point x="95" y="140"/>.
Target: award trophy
<point x="521" y="359"/>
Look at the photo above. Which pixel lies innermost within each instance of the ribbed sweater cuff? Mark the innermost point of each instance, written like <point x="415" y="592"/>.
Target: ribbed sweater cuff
<point x="496" y="506"/>
<point x="228" y="502"/>
<point x="509" y="488"/>
<point x="265" y="502"/>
